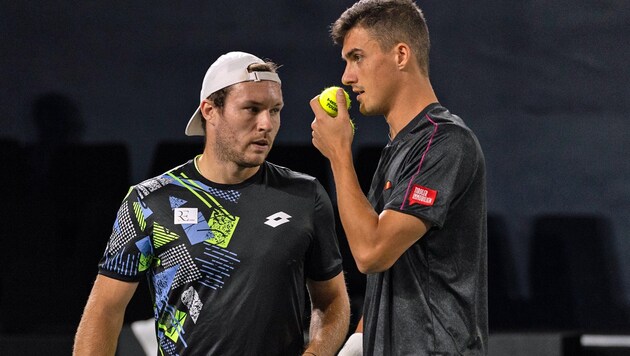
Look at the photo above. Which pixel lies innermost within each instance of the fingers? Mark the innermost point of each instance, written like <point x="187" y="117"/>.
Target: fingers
<point x="320" y="113"/>
<point x="317" y="109"/>
<point x="314" y="126"/>
<point x="315" y="136"/>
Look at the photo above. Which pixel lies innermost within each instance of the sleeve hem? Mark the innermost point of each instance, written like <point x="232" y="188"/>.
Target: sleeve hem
<point x="327" y="275"/>
<point x="119" y="277"/>
<point x="434" y="223"/>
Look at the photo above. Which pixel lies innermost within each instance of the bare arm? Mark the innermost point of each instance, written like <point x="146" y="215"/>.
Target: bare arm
<point x="103" y="317"/>
<point x="376" y="241"/>
<point x="330" y="315"/>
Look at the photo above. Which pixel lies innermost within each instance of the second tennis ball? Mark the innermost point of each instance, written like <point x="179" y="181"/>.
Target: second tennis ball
<point x="328" y="100"/>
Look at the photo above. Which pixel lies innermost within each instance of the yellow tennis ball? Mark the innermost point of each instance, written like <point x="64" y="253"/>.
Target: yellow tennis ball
<point x="328" y="100"/>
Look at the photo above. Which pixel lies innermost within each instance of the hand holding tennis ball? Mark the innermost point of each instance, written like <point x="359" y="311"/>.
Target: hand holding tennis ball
<point x="328" y="101"/>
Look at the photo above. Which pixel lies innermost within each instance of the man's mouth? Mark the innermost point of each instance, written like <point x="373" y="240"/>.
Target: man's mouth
<point x="358" y="92"/>
<point x="261" y="143"/>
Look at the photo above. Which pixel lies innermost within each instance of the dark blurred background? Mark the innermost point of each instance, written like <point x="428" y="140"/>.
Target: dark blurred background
<point x="94" y="97"/>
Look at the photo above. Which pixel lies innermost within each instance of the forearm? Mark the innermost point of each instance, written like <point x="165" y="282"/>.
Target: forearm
<point x="329" y="327"/>
<point x="103" y="317"/>
<point x="97" y="334"/>
<point x="359" y="220"/>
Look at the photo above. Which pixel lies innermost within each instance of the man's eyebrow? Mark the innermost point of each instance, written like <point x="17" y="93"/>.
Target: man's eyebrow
<point x="252" y="102"/>
<point x="350" y="53"/>
<point x="260" y="103"/>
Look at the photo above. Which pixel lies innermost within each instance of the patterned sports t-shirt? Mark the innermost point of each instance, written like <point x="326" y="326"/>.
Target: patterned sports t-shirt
<point x="433" y="300"/>
<point x="226" y="264"/>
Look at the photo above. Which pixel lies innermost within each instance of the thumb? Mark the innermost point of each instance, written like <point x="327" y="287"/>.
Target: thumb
<point x="342" y="104"/>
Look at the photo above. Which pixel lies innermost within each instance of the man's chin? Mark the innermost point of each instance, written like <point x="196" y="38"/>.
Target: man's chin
<point x="252" y="162"/>
<point x="364" y="110"/>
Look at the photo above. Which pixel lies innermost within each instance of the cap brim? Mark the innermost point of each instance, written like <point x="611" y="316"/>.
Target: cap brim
<point x="194" y="127"/>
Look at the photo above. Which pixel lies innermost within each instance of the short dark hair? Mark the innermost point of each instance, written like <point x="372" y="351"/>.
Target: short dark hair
<point x="389" y="22"/>
<point x="218" y="97"/>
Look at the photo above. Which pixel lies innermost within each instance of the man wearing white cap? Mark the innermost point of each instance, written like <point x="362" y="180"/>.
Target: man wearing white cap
<point x="227" y="240"/>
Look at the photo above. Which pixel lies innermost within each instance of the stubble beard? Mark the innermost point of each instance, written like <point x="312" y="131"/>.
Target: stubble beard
<point x="225" y="151"/>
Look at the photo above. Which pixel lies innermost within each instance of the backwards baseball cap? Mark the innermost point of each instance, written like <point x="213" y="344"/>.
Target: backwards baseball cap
<point x="229" y="69"/>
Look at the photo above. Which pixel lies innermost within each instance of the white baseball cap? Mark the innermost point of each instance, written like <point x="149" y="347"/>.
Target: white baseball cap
<point x="229" y="69"/>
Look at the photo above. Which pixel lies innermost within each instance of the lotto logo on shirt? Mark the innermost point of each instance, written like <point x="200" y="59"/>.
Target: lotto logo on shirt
<point x="422" y="195"/>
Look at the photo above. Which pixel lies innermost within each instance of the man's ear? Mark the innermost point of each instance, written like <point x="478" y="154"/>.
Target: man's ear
<point x="208" y="111"/>
<point x="402" y="52"/>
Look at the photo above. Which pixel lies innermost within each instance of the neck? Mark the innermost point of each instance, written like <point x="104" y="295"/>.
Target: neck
<point x="415" y="95"/>
<point x="222" y="172"/>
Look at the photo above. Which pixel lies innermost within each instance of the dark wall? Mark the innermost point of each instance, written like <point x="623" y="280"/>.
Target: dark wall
<point x="543" y="84"/>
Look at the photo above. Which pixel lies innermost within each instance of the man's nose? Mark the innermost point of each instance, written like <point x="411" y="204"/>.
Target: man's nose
<point x="348" y="77"/>
<point x="265" y="122"/>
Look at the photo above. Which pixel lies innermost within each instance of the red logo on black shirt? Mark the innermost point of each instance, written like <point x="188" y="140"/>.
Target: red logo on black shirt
<point x="422" y="195"/>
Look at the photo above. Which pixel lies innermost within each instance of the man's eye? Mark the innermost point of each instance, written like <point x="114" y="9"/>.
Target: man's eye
<point x="253" y="109"/>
